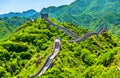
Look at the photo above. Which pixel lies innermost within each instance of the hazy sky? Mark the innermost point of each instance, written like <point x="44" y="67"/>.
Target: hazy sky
<point x="23" y="5"/>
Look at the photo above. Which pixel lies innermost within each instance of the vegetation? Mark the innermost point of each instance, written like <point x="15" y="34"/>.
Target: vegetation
<point x="89" y="13"/>
<point x="24" y="52"/>
<point x="8" y="25"/>
<point x="5" y="29"/>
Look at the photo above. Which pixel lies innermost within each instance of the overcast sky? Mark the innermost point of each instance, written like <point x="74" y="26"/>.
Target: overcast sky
<point x="23" y="5"/>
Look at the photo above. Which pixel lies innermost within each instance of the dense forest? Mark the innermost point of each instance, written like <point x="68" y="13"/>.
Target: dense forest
<point x="24" y="52"/>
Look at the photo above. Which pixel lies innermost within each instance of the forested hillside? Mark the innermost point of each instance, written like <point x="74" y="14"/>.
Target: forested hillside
<point x="5" y="29"/>
<point x="89" y="13"/>
<point x="13" y="20"/>
<point x="24" y="52"/>
<point x="7" y="25"/>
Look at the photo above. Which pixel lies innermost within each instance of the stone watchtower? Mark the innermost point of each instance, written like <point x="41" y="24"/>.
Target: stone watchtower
<point x="44" y="15"/>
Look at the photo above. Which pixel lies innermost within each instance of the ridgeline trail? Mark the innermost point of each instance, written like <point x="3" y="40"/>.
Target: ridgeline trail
<point x="102" y="29"/>
<point x="67" y="31"/>
<point x="57" y="44"/>
<point x="83" y="38"/>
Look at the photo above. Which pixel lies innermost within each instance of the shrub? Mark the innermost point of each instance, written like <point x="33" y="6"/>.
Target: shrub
<point x="17" y="47"/>
<point x="25" y="55"/>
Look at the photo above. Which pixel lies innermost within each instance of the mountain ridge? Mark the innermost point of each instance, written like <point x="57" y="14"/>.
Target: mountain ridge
<point x="84" y="13"/>
<point x="89" y="14"/>
<point x="27" y="13"/>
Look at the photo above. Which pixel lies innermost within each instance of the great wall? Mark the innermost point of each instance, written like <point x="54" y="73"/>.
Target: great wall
<point x="57" y="43"/>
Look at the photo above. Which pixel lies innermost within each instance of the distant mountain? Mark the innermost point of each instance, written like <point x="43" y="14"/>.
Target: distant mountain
<point x="5" y="29"/>
<point x="18" y="14"/>
<point x="88" y="13"/>
<point x="10" y="21"/>
<point x="14" y="21"/>
<point x="7" y="25"/>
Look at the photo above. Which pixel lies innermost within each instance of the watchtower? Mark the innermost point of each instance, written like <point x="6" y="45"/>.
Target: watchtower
<point x="44" y="15"/>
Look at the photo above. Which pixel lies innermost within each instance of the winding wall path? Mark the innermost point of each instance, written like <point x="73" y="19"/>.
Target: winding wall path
<point x="57" y="43"/>
<point x="67" y="31"/>
<point x="77" y="39"/>
<point x="102" y="29"/>
<point x="83" y="38"/>
<point x="48" y="62"/>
